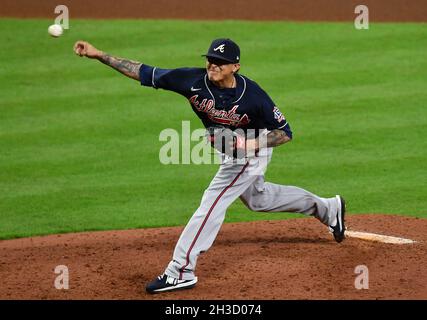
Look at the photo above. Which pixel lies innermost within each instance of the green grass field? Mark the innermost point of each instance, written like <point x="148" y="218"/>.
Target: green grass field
<point x="79" y="142"/>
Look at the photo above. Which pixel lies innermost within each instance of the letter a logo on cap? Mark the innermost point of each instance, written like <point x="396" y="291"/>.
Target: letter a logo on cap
<point x="220" y="48"/>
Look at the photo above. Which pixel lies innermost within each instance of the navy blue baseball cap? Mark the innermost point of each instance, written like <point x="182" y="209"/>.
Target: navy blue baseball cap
<point x="224" y="49"/>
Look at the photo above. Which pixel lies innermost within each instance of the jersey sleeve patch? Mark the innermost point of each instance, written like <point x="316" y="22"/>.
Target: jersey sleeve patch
<point x="275" y="119"/>
<point x="278" y="115"/>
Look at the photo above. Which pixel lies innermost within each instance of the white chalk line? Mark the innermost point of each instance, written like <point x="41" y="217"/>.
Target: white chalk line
<point x="377" y="237"/>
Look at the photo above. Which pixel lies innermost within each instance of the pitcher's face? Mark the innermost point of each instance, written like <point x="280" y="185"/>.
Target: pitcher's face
<point x="219" y="70"/>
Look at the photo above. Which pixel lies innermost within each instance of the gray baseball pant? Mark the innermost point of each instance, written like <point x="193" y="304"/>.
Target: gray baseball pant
<point x="244" y="180"/>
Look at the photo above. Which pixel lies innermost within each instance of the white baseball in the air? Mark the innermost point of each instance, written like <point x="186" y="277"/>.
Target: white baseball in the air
<point x="55" y="30"/>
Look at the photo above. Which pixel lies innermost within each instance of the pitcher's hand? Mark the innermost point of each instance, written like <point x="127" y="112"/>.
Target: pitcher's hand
<point x="85" y="49"/>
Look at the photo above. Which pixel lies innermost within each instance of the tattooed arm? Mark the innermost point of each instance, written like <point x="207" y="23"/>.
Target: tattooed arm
<point x="274" y="138"/>
<point x="127" y="67"/>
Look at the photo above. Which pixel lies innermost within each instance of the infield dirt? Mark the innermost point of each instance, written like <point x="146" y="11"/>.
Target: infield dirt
<point x="297" y="10"/>
<point x="291" y="259"/>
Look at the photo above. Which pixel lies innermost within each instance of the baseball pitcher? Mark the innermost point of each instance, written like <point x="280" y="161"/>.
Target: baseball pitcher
<point x="243" y="125"/>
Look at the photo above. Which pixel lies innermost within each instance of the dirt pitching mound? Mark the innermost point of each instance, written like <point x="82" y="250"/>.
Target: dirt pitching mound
<point x="290" y="259"/>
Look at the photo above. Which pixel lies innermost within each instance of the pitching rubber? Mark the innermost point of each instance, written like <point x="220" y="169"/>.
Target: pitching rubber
<point x="377" y="237"/>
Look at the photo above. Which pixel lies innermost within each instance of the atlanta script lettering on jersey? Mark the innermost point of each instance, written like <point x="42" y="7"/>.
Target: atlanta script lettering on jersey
<point x="220" y="116"/>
